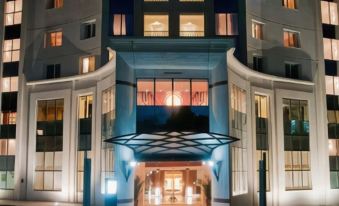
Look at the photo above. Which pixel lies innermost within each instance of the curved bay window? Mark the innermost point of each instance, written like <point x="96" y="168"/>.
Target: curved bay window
<point x="49" y="145"/>
<point x="164" y="103"/>
<point x="297" y="145"/>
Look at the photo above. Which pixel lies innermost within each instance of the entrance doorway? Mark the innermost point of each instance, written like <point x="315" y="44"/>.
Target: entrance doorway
<point x="173" y="183"/>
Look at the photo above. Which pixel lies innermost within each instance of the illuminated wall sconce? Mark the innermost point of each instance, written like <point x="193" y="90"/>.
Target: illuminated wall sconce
<point x="215" y="166"/>
<point x="127" y="168"/>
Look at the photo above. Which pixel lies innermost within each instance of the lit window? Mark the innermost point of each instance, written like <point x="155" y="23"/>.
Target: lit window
<point x="9" y="84"/>
<point x="177" y="92"/>
<point x="331" y="49"/>
<point x="87" y="30"/>
<point x="291" y="39"/>
<point x="55" y="4"/>
<point x="332" y="85"/>
<point x="155" y="0"/>
<point x="156" y="25"/>
<point x="192" y="25"/>
<point x="7" y="153"/>
<point x="119" y="24"/>
<point x="11" y="51"/>
<point x="257" y="30"/>
<point x="191" y="0"/>
<point x="329" y="12"/>
<point x="49" y="145"/>
<point x="87" y="64"/>
<point x="53" y="39"/>
<point x="290" y="4"/>
<point x="292" y="70"/>
<point x="8" y="118"/>
<point x="296" y="145"/>
<point x="13" y="12"/>
<point x="226" y="24"/>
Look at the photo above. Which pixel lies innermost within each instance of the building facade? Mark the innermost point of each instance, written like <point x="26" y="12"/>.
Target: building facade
<point x="184" y="94"/>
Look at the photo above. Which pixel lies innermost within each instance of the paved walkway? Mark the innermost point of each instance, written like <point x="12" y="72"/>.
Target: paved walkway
<point x="29" y="203"/>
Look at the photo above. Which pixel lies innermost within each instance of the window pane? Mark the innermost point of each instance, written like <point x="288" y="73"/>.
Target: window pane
<point x="182" y="93"/>
<point x="327" y="49"/>
<point x="10" y="180"/>
<point x="325" y="12"/>
<point x="49" y="158"/>
<point x="3" y="179"/>
<point x="145" y="92"/>
<point x="51" y="110"/>
<point x="335" y="50"/>
<point x="333" y="13"/>
<point x="329" y="85"/>
<point x="199" y="93"/>
<point x="220" y="21"/>
<point x="163" y="93"/>
<point x="39" y="161"/>
<point x="192" y="25"/>
<point x="58" y="161"/>
<point x="39" y="181"/>
<point x="3" y="147"/>
<point x="232" y="24"/>
<point x="9" y="7"/>
<point x="57" y="180"/>
<point x="11" y="147"/>
<point x="48" y="180"/>
<point x="156" y="25"/>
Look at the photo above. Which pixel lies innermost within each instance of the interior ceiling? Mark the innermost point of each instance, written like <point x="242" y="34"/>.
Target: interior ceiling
<point x="166" y="146"/>
<point x="172" y="60"/>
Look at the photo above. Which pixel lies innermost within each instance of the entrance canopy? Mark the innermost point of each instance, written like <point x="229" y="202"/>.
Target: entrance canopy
<point x="167" y="146"/>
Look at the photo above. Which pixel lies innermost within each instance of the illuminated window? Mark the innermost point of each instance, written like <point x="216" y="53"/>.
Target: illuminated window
<point x="9" y="84"/>
<point x="329" y="12"/>
<point x="87" y="64"/>
<point x="7" y="161"/>
<point x="155" y="0"/>
<point x="257" y="30"/>
<point x="296" y="145"/>
<point x="13" y="12"/>
<point x="11" y="51"/>
<point x="8" y="118"/>
<point x="53" y="39"/>
<point x="156" y="25"/>
<point x="54" y="4"/>
<point x="292" y="70"/>
<point x="192" y="25"/>
<point x="331" y="49"/>
<point x="49" y="145"/>
<point x="291" y="39"/>
<point x="239" y="149"/>
<point x="84" y="136"/>
<point x="226" y="24"/>
<point x="262" y="135"/>
<point x="172" y="92"/>
<point x="290" y="4"/>
<point x="191" y="0"/>
<point x="119" y="24"/>
<point x="332" y="85"/>
<point x="107" y="150"/>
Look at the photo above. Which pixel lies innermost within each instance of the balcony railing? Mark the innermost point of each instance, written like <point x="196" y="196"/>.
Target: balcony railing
<point x="192" y="33"/>
<point x="156" y="33"/>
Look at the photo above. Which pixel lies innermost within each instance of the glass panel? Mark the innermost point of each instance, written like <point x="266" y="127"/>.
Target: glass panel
<point x="332" y="147"/>
<point x="10" y="180"/>
<point x="57" y="180"/>
<point x="3" y="179"/>
<point x="48" y="181"/>
<point x="220" y="21"/>
<point x="329" y="85"/>
<point x="192" y="25"/>
<point x="156" y="25"/>
<point x="51" y="110"/>
<point x="163" y="93"/>
<point x="39" y="161"/>
<point x="3" y="147"/>
<point x="335" y="50"/>
<point x="145" y="92"/>
<point x="182" y="93"/>
<point x="327" y="48"/>
<point x="325" y="12"/>
<point x="58" y="161"/>
<point x="11" y="147"/>
<point x="333" y="13"/>
<point x="39" y="181"/>
<point x="49" y="161"/>
<point x="199" y="93"/>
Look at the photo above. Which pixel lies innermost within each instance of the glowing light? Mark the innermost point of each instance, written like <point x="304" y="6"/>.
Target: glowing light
<point x="173" y="100"/>
<point x="133" y="164"/>
<point x="111" y="187"/>
<point x="210" y="163"/>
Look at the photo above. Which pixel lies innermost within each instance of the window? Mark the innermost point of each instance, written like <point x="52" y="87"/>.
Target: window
<point x="331" y="49"/>
<point x="87" y="30"/>
<point x="258" y="63"/>
<point x="11" y="51"/>
<point x="8" y="118"/>
<point x="53" y="39"/>
<point x="84" y="136"/>
<point x="13" y="12"/>
<point x="333" y="147"/>
<point x="290" y="4"/>
<point x="291" y="39"/>
<point x="191" y="0"/>
<point x="296" y="145"/>
<point x="107" y="150"/>
<point x="332" y="85"/>
<point x="119" y="24"/>
<point x="239" y="149"/>
<point x="87" y="64"/>
<point x="155" y="0"/>
<point x="55" y="4"/>
<point x="292" y="70"/>
<point x="329" y="12"/>
<point x="172" y="92"/>
<point x="156" y="25"/>
<point x="53" y="71"/>
<point x="7" y="162"/>
<point x="192" y="25"/>
<point x="9" y="84"/>
<point x="262" y="135"/>
<point x="49" y="145"/>
<point x="257" y="30"/>
<point x="226" y="24"/>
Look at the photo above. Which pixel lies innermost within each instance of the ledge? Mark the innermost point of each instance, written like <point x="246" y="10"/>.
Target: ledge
<point x="105" y="70"/>
<point x="235" y="65"/>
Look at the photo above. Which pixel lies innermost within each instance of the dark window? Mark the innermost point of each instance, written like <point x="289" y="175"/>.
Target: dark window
<point x="87" y="30"/>
<point x="53" y="71"/>
<point x="328" y="31"/>
<point x="9" y="101"/>
<point x="258" y="63"/>
<point x="12" y="32"/>
<point x="10" y="69"/>
<point x="292" y="70"/>
<point x="331" y="68"/>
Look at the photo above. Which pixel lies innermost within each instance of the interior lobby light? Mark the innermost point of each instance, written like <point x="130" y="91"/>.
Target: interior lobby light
<point x="173" y="100"/>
